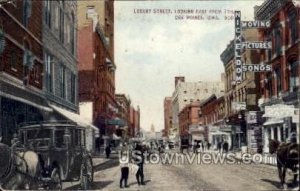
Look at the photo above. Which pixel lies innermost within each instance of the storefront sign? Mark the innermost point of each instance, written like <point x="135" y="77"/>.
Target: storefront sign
<point x="238" y="106"/>
<point x="257" y="45"/>
<point x="256" y="68"/>
<point x="238" y="47"/>
<point x="256" y="24"/>
<point x="279" y="111"/>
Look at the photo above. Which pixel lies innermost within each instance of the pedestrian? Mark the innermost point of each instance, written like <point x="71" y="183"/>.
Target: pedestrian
<point x="124" y="165"/>
<point x="208" y="145"/>
<point x="219" y="146"/>
<point x="139" y="160"/>
<point x="107" y="151"/>
<point x="225" y="146"/>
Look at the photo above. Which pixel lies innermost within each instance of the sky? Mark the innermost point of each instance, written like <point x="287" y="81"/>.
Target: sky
<point x="152" y="48"/>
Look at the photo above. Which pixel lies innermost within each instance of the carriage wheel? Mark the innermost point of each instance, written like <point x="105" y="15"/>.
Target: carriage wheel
<point x="56" y="183"/>
<point x="86" y="174"/>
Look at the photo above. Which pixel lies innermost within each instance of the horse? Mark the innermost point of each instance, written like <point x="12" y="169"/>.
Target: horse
<point x="287" y="155"/>
<point x="18" y="169"/>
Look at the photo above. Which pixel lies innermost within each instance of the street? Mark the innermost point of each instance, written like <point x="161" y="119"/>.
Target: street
<point x="190" y="177"/>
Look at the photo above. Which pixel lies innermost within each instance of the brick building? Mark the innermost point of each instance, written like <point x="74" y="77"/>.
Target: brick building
<point x="167" y="116"/>
<point x="212" y="115"/>
<point x="21" y="66"/>
<point x="246" y="92"/>
<point x="190" y="123"/>
<point x="123" y="114"/>
<point x="134" y="129"/>
<point x="280" y="87"/>
<point x="188" y="92"/>
<point x="96" y="69"/>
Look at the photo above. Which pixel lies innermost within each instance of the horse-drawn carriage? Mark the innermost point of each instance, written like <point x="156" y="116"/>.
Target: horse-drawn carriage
<point x="53" y="152"/>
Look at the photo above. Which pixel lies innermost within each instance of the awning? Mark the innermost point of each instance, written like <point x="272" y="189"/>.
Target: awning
<point x="272" y="121"/>
<point x="74" y="117"/>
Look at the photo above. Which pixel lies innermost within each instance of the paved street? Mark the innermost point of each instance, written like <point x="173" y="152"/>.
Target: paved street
<point x="191" y="177"/>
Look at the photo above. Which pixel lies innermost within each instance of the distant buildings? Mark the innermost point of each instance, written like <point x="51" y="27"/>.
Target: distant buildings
<point x="167" y="116"/>
<point x="188" y="92"/>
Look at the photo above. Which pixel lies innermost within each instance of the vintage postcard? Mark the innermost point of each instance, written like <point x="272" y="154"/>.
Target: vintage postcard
<point x="149" y="95"/>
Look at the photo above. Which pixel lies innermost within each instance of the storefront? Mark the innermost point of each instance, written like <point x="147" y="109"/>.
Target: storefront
<point x="17" y="106"/>
<point x="215" y="136"/>
<point x="281" y="122"/>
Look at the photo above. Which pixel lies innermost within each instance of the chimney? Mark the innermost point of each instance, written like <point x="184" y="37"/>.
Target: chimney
<point x="178" y="79"/>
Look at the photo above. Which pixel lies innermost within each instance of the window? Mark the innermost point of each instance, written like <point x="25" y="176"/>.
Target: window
<point x="73" y="88"/>
<point x="48" y="13"/>
<point x="36" y="74"/>
<point x="49" y="78"/>
<point x="278" y="41"/>
<point x="293" y="27"/>
<point x="269" y="84"/>
<point x="63" y="81"/>
<point x="294" y="76"/>
<point x="26" y="12"/>
<point x="13" y="60"/>
<point x="269" y="51"/>
<point x="72" y="35"/>
<point x="28" y="61"/>
<point x="59" y="139"/>
<point x="278" y="80"/>
<point x="61" y="21"/>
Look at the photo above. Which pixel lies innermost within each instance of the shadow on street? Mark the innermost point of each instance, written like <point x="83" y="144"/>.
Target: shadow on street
<point x="277" y="183"/>
<point x="107" y="164"/>
<point x="95" y="186"/>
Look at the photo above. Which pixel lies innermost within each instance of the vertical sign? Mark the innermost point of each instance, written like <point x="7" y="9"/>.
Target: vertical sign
<point x="238" y="47"/>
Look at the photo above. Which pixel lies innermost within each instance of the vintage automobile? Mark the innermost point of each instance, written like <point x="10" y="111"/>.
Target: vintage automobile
<point x="61" y="151"/>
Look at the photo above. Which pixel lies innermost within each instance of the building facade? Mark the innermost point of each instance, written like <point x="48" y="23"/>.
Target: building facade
<point x="60" y="54"/>
<point x="96" y="69"/>
<point x="21" y="66"/>
<point x="188" y="92"/>
<point x="246" y="93"/>
<point x="280" y="87"/>
<point x="212" y="114"/>
<point x="123" y="114"/>
<point x="167" y="116"/>
<point x="190" y="124"/>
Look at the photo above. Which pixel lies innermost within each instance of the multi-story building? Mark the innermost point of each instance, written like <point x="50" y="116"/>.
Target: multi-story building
<point x="167" y="116"/>
<point x="96" y="68"/>
<point x="21" y="66"/>
<point x="280" y="87"/>
<point x="212" y="115"/>
<point x="123" y="114"/>
<point x="245" y="93"/>
<point x="190" y="123"/>
<point x="134" y="125"/>
<point x="60" y="54"/>
<point x="188" y="92"/>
